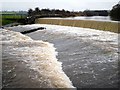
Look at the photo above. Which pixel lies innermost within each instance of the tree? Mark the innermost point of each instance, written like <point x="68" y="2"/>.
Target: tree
<point x="88" y="13"/>
<point x="37" y="10"/>
<point x="30" y="12"/>
<point x="115" y="12"/>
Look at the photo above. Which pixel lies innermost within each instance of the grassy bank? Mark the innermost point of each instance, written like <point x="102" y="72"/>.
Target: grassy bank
<point x="11" y="18"/>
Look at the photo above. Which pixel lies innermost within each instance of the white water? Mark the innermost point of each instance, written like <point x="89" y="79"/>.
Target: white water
<point x="38" y="55"/>
<point x="90" y="57"/>
<point x="84" y="33"/>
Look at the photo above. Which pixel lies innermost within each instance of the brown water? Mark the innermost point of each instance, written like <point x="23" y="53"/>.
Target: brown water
<point x="30" y="64"/>
<point x="88" y="63"/>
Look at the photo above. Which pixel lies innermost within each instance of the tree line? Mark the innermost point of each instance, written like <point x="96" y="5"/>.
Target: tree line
<point x="52" y="12"/>
<point x="65" y="13"/>
<point x="37" y="13"/>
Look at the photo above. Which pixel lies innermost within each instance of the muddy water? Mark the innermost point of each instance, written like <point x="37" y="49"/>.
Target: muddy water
<point x="88" y="63"/>
<point x="30" y="64"/>
<point x="89" y="60"/>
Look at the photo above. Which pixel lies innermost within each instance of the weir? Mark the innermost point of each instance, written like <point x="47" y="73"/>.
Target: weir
<point x="99" y="25"/>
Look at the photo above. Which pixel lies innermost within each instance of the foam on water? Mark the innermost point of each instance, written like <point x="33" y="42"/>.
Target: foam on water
<point x="90" y="57"/>
<point x="86" y="34"/>
<point x="38" y="55"/>
<point x="83" y="33"/>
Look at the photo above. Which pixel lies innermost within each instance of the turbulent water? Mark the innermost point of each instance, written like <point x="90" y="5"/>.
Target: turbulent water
<point x="89" y="57"/>
<point x="29" y="63"/>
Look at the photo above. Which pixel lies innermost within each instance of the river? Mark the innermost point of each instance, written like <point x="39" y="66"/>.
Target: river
<point x="89" y="57"/>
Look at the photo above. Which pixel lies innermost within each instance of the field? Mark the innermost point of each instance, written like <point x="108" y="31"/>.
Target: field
<point x="11" y="18"/>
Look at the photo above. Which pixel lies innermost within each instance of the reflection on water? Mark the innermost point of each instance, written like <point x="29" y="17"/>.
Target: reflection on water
<point x="97" y="18"/>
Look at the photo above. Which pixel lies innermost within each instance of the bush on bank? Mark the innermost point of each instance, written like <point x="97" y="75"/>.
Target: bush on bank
<point x="115" y="12"/>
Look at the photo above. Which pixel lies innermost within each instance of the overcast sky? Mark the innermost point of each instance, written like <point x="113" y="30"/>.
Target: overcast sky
<point x="76" y="5"/>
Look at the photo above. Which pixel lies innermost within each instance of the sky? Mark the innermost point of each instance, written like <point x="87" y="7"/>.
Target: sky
<point x="71" y="5"/>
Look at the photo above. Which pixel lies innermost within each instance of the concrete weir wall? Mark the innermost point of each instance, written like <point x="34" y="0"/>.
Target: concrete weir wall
<point x="99" y="25"/>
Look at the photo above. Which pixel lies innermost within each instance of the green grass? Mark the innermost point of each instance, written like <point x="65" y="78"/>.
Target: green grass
<point x="5" y="21"/>
<point x="11" y="18"/>
<point x="6" y="16"/>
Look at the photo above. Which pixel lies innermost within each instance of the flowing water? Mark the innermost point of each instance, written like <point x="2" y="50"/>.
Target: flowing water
<point x="30" y="64"/>
<point x="93" y="18"/>
<point x="89" y="58"/>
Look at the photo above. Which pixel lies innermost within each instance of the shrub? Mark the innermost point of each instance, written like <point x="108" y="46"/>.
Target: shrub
<point x="115" y="12"/>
